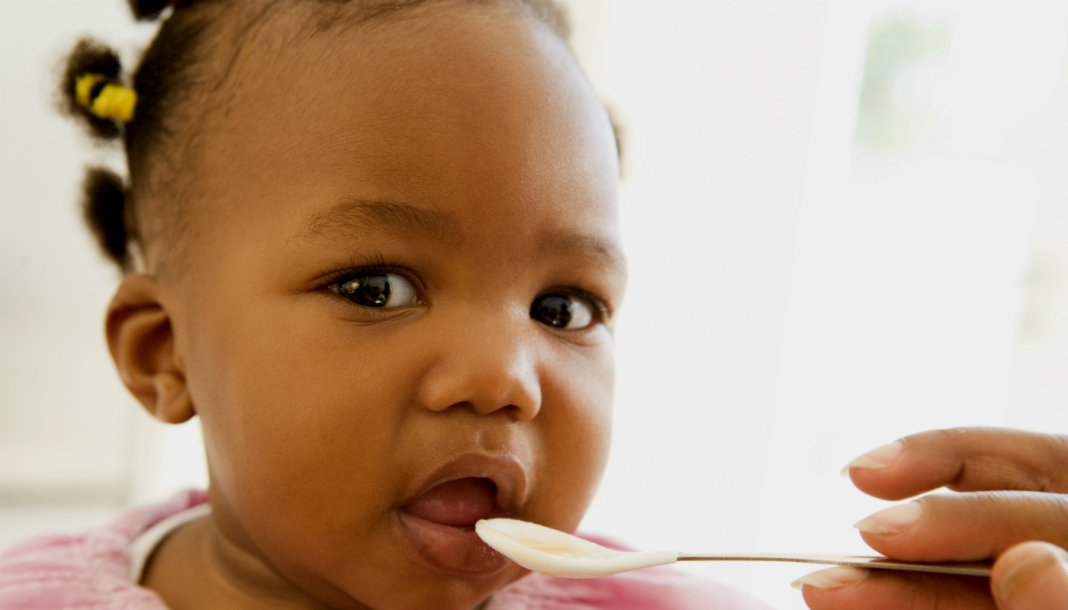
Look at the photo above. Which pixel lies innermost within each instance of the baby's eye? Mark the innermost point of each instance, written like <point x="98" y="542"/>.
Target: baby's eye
<point x="379" y="290"/>
<point x="566" y="311"/>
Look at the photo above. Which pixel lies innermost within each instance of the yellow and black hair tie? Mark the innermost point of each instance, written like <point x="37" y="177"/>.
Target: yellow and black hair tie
<point x="105" y="98"/>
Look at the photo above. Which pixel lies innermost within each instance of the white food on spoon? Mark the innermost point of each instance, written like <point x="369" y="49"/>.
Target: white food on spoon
<point x="554" y="553"/>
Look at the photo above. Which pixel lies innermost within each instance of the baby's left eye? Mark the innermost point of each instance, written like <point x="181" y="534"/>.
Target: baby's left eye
<point x="565" y="311"/>
<point x="378" y="290"/>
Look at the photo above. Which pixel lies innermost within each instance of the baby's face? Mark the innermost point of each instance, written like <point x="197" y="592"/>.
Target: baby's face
<point x="397" y="316"/>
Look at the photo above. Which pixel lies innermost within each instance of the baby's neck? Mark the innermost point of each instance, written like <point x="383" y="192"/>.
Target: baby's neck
<point x="196" y="567"/>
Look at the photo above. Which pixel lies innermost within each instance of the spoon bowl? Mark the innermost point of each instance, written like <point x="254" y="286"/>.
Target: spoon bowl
<point x="552" y="552"/>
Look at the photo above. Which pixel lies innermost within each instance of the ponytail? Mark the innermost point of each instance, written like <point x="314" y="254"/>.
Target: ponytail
<point x="91" y="88"/>
<point x="149" y="10"/>
<point x="105" y="213"/>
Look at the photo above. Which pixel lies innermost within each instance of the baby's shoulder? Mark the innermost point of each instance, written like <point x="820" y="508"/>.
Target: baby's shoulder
<point x="89" y="570"/>
<point x="660" y="588"/>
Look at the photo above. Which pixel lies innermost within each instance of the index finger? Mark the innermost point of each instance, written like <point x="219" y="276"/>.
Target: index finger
<point x="964" y="459"/>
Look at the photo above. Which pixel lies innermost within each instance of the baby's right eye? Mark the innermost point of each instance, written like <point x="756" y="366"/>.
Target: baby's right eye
<point x="377" y="290"/>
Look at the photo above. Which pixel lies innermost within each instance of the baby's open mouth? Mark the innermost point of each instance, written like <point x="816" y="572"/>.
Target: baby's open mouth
<point x="458" y="503"/>
<point x="439" y="525"/>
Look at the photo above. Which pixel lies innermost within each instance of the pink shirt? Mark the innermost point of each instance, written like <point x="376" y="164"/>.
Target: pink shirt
<point x="91" y="571"/>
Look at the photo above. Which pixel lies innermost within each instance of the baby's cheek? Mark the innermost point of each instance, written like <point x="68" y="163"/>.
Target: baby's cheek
<point x="576" y="451"/>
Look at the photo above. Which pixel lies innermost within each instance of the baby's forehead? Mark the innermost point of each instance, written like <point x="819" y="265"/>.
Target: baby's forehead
<point x="439" y="77"/>
<point x="254" y="36"/>
<point x="474" y="106"/>
<point x="396" y="59"/>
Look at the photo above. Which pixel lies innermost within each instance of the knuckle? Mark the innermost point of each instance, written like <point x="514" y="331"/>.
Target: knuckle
<point x="936" y="592"/>
<point x="1020" y="515"/>
<point x="1057" y="507"/>
<point x="1055" y="460"/>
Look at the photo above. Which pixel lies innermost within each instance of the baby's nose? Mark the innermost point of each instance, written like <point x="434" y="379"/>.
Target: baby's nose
<point x="487" y="367"/>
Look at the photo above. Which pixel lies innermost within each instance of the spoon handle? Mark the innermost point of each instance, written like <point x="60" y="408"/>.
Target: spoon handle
<point x="882" y="563"/>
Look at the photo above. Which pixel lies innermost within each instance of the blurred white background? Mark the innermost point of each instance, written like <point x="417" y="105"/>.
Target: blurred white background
<point x="847" y="220"/>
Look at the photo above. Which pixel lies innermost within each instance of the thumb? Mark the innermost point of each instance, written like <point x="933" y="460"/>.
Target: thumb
<point x="1031" y="576"/>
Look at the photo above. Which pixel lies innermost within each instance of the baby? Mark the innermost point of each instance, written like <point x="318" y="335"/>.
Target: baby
<point x="372" y="246"/>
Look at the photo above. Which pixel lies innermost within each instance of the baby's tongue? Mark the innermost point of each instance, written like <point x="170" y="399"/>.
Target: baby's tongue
<point x="458" y="503"/>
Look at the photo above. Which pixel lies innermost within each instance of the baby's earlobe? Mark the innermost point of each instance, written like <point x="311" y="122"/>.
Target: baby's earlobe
<point x="172" y="400"/>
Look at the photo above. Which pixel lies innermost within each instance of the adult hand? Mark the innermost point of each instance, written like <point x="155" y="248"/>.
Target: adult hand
<point x="1011" y="488"/>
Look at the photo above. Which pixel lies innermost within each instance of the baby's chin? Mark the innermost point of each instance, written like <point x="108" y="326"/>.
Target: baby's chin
<point x="419" y="592"/>
<point x="405" y="586"/>
<point x="425" y="553"/>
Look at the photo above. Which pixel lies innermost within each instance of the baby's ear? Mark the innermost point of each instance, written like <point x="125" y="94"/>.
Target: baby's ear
<point x="142" y="345"/>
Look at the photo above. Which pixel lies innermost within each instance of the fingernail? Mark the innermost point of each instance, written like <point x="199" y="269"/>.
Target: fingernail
<point x="880" y="457"/>
<point x="831" y="578"/>
<point x="893" y="520"/>
<point x="1041" y="577"/>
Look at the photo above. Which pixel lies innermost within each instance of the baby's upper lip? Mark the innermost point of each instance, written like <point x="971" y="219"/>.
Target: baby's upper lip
<point x="505" y="471"/>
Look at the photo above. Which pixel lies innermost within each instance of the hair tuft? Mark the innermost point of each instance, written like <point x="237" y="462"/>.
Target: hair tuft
<point x="104" y="211"/>
<point x="90" y="57"/>
<point x="148" y="10"/>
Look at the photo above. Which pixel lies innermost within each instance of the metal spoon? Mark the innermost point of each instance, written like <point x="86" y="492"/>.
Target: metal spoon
<point x="552" y="552"/>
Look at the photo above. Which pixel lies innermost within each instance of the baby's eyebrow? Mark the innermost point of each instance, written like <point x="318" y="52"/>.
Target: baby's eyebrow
<point x="589" y="246"/>
<point x="354" y="217"/>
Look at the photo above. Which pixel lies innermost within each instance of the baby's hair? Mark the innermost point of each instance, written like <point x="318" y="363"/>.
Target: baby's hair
<point x="165" y="83"/>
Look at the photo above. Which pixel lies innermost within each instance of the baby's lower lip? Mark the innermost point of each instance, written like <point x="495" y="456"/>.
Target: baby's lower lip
<point x="455" y="550"/>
